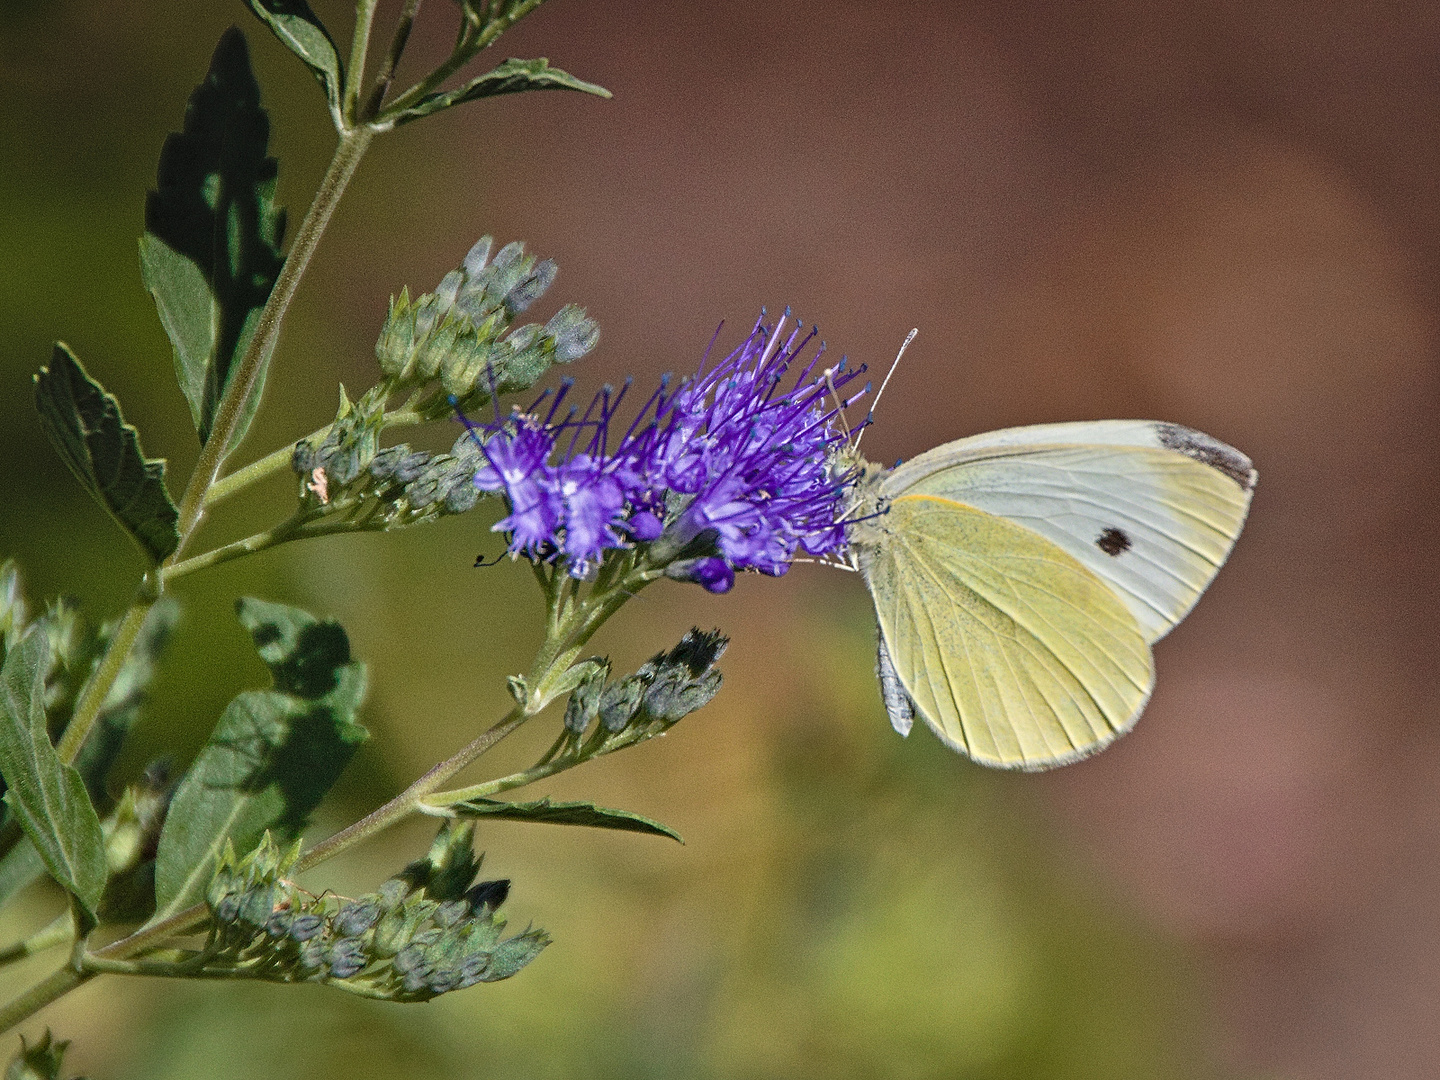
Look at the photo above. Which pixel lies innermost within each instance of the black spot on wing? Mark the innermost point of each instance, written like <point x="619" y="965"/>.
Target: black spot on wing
<point x="1202" y="448"/>
<point x="1113" y="541"/>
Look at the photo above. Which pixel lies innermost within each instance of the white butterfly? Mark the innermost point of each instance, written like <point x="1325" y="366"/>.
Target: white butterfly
<point x="1020" y="577"/>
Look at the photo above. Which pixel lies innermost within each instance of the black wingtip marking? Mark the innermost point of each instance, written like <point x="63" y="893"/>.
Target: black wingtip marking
<point x="1113" y="542"/>
<point x="1202" y="448"/>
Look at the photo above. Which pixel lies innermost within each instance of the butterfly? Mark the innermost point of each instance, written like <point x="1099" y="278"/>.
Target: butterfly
<point x="1021" y="576"/>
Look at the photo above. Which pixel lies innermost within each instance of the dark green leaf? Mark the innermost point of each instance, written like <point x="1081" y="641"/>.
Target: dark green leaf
<point x="103" y="451"/>
<point x="565" y="813"/>
<point x="211" y="250"/>
<point x="305" y="35"/>
<point x="273" y="755"/>
<point x="511" y="77"/>
<point x="46" y="796"/>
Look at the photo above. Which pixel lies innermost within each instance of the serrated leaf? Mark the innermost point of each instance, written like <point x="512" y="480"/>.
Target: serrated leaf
<point x="103" y="451"/>
<point x="273" y="755"/>
<point x="564" y="813"/>
<point x="211" y="250"/>
<point x="46" y="796"/>
<point x="295" y="24"/>
<point x="511" y="77"/>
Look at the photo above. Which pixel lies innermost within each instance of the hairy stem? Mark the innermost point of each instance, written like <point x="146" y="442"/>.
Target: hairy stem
<point x="97" y="687"/>
<point x="41" y="994"/>
<point x="227" y="421"/>
<point x="441" y="799"/>
<point x="59" y="932"/>
<point x="403" y="804"/>
<point x="387" y="69"/>
<point x="278" y="461"/>
<point x="359" y="46"/>
<point x="351" y="149"/>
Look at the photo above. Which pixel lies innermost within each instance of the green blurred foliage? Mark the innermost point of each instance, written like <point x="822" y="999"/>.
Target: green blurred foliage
<point x="849" y="904"/>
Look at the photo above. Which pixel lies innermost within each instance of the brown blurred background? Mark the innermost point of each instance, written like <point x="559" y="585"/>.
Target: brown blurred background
<point x="1215" y="213"/>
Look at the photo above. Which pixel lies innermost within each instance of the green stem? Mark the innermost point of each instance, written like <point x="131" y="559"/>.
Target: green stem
<point x="278" y="461"/>
<point x="299" y="527"/>
<point x="359" y="46"/>
<point x="59" y="932"/>
<point x="228" y="415"/>
<point x="286" y="530"/>
<point x="442" y="799"/>
<point x="465" y="50"/>
<point x="403" y="804"/>
<point x="97" y="687"/>
<point x="387" y="69"/>
<point x="227" y="421"/>
<point x="41" y="994"/>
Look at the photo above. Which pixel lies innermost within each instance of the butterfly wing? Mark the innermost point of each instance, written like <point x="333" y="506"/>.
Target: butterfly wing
<point x="1152" y="509"/>
<point x="1012" y="651"/>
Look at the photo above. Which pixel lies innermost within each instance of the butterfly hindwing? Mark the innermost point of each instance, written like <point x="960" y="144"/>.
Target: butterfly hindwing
<point x="1011" y="649"/>
<point x="1152" y="509"/>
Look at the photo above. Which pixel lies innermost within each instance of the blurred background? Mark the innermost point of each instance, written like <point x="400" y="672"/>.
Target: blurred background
<point x="1215" y="213"/>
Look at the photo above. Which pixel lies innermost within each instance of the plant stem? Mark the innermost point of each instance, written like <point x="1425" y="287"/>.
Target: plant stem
<point x="58" y="932"/>
<point x="401" y="806"/>
<point x="387" y="69"/>
<point x="278" y="461"/>
<point x="465" y="50"/>
<point x="230" y="412"/>
<point x="286" y="530"/>
<point x="359" y="46"/>
<point x="97" y="687"/>
<point x="442" y="799"/>
<point x="227" y="421"/>
<point x="41" y="994"/>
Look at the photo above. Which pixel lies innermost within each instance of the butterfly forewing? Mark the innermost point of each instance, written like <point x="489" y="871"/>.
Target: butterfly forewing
<point x="1011" y="649"/>
<point x="1152" y="509"/>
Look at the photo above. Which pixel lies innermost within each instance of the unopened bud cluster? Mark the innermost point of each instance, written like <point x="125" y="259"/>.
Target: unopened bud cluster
<point x="666" y="689"/>
<point x="385" y="489"/>
<point x="458" y="342"/>
<point x="422" y="934"/>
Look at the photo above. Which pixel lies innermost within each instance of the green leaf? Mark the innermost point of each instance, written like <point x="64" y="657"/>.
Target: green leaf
<point x="564" y="813"/>
<point x="211" y="250"/>
<point x="305" y="35"/>
<point x="103" y="451"/>
<point x="511" y="77"/>
<point x="273" y="755"/>
<point x="46" y="796"/>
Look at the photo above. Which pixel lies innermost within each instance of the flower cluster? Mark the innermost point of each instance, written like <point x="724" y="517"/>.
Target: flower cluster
<point x="727" y="471"/>
<point x="427" y="931"/>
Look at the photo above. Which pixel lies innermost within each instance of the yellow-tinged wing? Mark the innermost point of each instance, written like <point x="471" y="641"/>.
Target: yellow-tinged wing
<point x="1153" y="509"/>
<point x="1012" y="650"/>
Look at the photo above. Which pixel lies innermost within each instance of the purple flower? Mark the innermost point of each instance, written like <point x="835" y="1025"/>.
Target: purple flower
<point x="729" y="471"/>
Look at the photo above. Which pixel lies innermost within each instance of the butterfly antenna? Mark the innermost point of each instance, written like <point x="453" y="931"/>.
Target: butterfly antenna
<point x="874" y="404"/>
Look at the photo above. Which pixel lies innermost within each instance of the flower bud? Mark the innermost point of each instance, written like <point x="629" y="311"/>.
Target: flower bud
<point x="710" y="572"/>
<point x="355" y="918"/>
<point x="620" y="702"/>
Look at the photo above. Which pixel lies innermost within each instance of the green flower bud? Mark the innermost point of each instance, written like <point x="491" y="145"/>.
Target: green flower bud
<point x="620" y="702"/>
